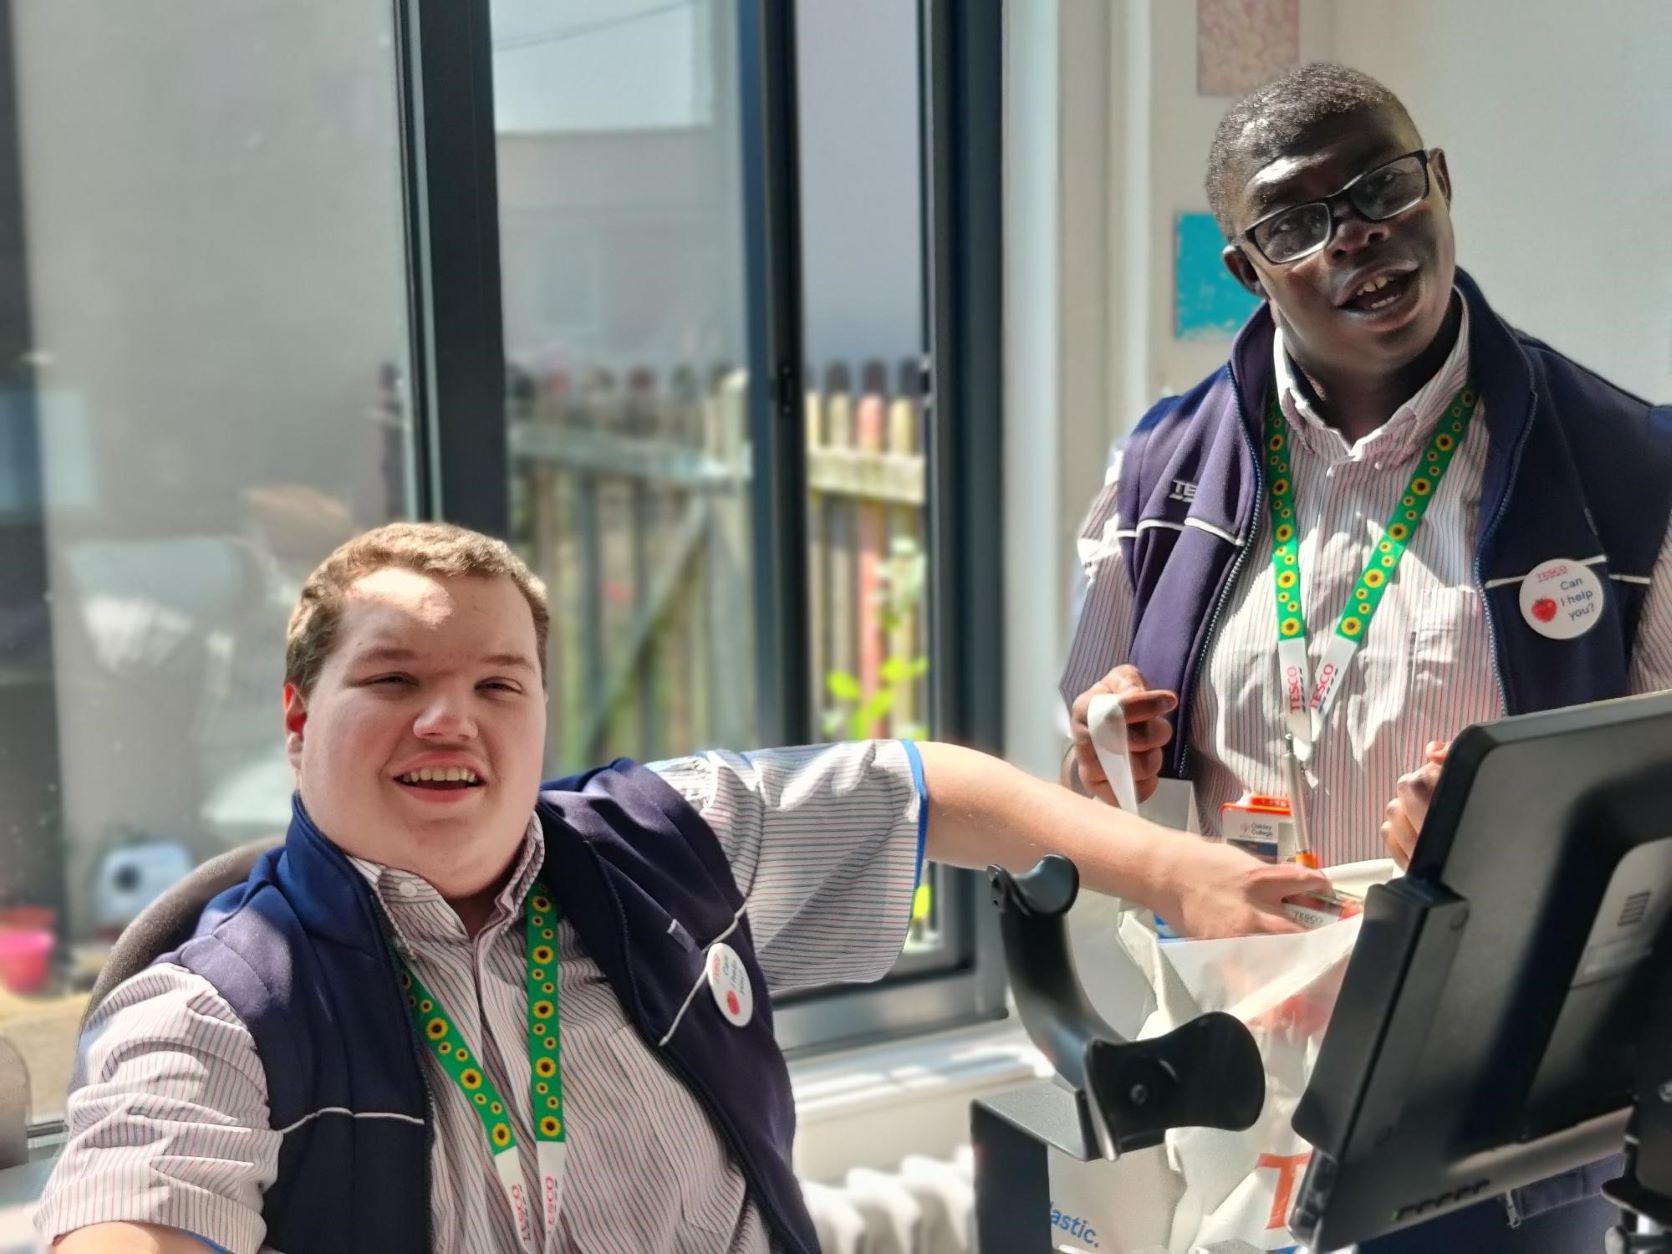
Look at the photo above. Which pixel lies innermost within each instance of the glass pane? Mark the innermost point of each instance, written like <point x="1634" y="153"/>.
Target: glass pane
<point x="862" y="257"/>
<point x="203" y="345"/>
<point x="621" y="241"/>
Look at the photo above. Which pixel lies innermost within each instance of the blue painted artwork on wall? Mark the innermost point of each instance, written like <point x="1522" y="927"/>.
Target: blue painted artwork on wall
<point x="1207" y="302"/>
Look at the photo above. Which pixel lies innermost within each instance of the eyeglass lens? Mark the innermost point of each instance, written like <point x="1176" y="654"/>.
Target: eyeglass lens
<point x="1388" y="190"/>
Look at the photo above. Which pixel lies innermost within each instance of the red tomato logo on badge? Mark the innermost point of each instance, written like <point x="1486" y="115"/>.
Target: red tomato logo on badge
<point x="1561" y="599"/>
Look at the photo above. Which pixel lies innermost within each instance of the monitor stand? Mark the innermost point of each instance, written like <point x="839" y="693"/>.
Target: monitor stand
<point x="1644" y="1192"/>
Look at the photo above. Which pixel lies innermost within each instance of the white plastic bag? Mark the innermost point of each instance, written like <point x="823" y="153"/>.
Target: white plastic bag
<point x="1237" y="1186"/>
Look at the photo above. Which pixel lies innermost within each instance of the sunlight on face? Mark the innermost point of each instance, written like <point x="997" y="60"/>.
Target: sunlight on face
<point x="420" y="745"/>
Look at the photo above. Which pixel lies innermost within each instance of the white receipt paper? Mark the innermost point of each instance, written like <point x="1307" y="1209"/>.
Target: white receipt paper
<point x="1106" y="717"/>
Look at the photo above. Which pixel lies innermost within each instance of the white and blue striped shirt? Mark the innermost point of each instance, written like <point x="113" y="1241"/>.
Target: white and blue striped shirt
<point x="1426" y="668"/>
<point x="168" y="1118"/>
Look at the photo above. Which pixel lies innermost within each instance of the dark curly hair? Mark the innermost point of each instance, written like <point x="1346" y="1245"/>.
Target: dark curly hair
<point x="1260" y="126"/>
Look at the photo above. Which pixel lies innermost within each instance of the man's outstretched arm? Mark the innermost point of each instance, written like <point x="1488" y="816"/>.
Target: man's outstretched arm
<point x="983" y="812"/>
<point x="122" y="1238"/>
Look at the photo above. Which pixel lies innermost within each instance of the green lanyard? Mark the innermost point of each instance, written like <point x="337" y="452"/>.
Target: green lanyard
<point x="1306" y="703"/>
<point x="545" y="1051"/>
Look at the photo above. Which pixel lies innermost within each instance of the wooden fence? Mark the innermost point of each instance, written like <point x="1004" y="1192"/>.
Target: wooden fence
<point x="630" y="499"/>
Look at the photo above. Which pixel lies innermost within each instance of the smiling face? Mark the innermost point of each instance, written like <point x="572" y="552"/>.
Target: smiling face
<point x="420" y="743"/>
<point x="1331" y="323"/>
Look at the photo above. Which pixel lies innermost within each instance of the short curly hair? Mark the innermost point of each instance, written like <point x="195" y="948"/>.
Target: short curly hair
<point x="1260" y="126"/>
<point x="438" y="549"/>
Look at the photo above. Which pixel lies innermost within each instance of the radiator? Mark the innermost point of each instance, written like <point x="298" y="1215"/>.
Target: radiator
<point x="924" y="1206"/>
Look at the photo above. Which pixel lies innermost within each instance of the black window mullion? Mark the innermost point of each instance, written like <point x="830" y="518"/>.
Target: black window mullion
<point x="452" y="219"/>
<point x="962" y="47"/>
<point x="30" y="771"/>
<point x="963" y="64"/>
<point x="777" y="433"/>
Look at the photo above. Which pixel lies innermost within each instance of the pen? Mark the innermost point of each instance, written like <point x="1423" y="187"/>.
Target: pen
<point x="1295" y="781"/>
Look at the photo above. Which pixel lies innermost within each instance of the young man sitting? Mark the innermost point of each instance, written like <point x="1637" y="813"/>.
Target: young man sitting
<point x="461" y="1010"/>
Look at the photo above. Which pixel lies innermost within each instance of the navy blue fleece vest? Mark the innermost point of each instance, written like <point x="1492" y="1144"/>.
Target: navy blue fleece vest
<point x="301" y="953"/>
<point x="1575" y="468"/>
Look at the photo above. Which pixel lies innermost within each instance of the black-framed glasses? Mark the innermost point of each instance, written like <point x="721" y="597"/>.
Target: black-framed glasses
<point x="1376" y="195"/>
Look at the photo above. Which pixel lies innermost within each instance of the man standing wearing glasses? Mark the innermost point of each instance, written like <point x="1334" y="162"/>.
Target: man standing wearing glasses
<point x="1316" y="566"/>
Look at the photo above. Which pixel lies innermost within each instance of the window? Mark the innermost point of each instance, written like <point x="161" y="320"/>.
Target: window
<point x="621" y="256"/>
<point x="274" y="274"/>
<point x="866" y="361"/>
<point x="204" y="335"/>
<point x="738" y="559"/>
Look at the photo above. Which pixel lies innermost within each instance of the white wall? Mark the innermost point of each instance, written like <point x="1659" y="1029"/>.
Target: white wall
<point x="1181" y="125"/>
<point x="1032" y="416"/>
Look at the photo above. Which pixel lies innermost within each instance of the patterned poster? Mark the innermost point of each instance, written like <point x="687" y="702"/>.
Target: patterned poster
<point x="1243" y="43"/>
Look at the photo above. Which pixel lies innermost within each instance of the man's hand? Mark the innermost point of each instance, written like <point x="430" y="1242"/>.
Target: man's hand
<point x="1409" y="807"/>
<point x="985" y="812"/>
<point x="1147" y="731"/>
<point x="1212" y="890"/>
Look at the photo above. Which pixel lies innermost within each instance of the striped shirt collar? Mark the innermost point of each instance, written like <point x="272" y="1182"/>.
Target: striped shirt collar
<point x="409" y="901"/>
<point x="1395" y="442"/>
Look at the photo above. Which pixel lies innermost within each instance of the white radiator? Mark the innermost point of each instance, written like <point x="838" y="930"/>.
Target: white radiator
<point x="924" y="1206"/>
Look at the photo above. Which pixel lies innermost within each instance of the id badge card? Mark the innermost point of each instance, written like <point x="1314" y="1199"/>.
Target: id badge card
<point x="1260" y="825"/>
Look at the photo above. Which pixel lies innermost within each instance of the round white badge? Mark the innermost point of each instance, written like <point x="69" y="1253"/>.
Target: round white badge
<point x="1561" y="599"/>
<point x="728" y="980"/>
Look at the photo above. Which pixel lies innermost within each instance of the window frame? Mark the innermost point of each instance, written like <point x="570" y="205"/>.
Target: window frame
<point x="450" y="191"/>
<point x="37" y="771"/>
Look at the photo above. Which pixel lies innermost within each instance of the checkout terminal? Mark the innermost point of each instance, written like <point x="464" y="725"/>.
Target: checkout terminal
<point x="1505" y="1016"/>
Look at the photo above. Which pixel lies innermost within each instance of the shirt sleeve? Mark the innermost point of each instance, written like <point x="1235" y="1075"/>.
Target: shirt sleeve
<point x="1651" y="657"/>
<point x="825" y="844"/>
<point x="167" y="1119"/>
<point x="1103" y="601"/>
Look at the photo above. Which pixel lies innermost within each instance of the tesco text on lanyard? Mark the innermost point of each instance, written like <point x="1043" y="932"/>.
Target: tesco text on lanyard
<point x="1307" y="703"/>
<point x="545" y="1050"/>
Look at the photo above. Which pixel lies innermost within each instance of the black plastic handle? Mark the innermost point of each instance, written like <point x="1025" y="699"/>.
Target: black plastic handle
<point x="1033" y="910"/>
<point x="1206" y="1073"/>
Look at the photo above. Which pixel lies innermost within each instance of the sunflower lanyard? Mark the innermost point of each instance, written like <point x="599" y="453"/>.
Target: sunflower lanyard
<point x="1306" y="704"/>
<point x="441" y="1034"/>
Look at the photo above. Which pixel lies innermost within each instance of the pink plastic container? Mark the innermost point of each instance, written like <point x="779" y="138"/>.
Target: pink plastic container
<point x="25" y="958"/>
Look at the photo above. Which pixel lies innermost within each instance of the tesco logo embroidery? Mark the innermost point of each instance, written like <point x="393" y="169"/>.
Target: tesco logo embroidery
<point x="1292" y="680"/>
<point x="1326" y="680"/>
